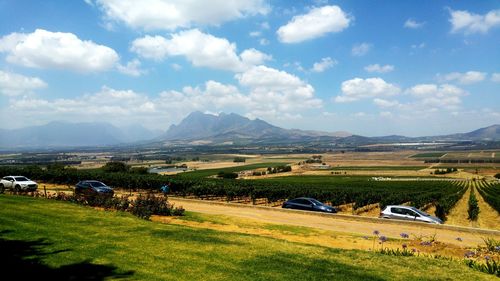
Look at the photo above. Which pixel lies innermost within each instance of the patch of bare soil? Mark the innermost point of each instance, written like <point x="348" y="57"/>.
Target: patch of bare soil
<point x="458" y="214"/>
<point x="488" y="217"/>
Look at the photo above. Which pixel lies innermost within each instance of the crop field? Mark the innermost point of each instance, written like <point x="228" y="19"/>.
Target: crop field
<point x="51" y="240"/>
<point x="348" y="184"/>
<point x="429" y="155"/>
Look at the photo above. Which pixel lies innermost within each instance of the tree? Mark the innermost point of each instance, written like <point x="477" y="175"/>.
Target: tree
<point x="239" y="159"/>
<point x="115" y="167"/>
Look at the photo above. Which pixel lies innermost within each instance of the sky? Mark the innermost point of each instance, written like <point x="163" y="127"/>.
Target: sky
<point x="372" y="68"/>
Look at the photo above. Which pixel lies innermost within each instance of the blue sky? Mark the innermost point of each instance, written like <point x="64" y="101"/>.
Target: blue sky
<point x="368" y="67"/>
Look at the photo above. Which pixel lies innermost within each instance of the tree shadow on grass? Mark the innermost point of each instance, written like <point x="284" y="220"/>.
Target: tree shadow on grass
<point x="23" y="261"/>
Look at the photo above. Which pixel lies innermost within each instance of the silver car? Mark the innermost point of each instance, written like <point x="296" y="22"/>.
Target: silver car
<point x="408" y="213"/>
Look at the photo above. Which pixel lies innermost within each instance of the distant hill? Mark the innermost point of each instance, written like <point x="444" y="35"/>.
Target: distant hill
<point x="235" y="128"/>
<point x="487" y="133"/>
<point x="207" y="129"/>
<point x="63" y="134"/>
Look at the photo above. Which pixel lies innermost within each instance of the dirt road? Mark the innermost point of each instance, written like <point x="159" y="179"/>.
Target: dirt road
<point x="352" y="225"/>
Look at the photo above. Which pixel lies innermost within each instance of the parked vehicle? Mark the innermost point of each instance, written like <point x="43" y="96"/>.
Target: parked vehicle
<point x="309" y="204"/>
<point x="408" y="213"/>
<point x="17" y="183"/>
<point x="90" y="188"/>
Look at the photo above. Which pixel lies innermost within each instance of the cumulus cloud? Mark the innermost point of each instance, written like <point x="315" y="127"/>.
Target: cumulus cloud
<point x="173" y="14"/>
<point x="277" y="93"/>
<point x="411" y="23"/>
<point x="464" y="21"/>
<point x="57" y="50"/>
<point x="469" y="77"/>
<point x="13" y="84"/>
<point x="200" y="49"/>
<point x="379" y="68"/>
<point x="438" y="96"/>
<point x="262" y="92"/>
<point x="357" y="88"/>
<point x="132" y="68"/>
<point x="385" y="103"/>
<point x="323" y="65"/>
<point x="316" y="23"/>
<point x="360" y="50"/>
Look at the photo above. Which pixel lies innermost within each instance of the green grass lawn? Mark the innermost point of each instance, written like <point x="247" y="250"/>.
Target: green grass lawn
<point x="53" y="240"/>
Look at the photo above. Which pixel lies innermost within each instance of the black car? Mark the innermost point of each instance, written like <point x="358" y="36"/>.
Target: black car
<point x="309" y="204"/>
<point x="93" y="188"/>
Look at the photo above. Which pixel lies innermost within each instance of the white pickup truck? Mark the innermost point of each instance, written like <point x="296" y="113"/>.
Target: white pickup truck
<point x="17" y="183"/>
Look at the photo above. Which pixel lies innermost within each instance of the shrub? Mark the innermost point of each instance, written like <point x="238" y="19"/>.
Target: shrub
<point x="239" y="159"/>
<point x="227" y="175"/>
<point x="473" y="210"/>
<point x="139" y="170"/>
<point x="115" y="167"/>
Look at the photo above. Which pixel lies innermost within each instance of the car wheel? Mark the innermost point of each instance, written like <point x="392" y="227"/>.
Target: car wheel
<point x="17" y="188"/>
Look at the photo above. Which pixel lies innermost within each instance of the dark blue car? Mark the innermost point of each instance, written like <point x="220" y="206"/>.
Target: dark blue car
<point x="308" y="204"/>
<point x="91" y="188"/>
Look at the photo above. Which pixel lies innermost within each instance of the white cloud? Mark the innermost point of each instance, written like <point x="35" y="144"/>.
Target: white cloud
<point x="418" y="46"/>
<point x="379" y="68"/>
<point x="277" y="92"/>
<point x="200" y="49"/>
<point x="255" y="34"/>
<point x="151" y="47"/>
<point x="386" y="114"/>
<point x="437" y="96"/>
<point x="57" y="50"/>
<point x="268" y="93"/>
<point x="316" y="23"/>
<point x="323" y="65"/>
<point x="133" y="68"/>
<point x="473" y="23"/>
<point x="13" y="84"/>
<point x="361" y="49"/>
<point x="495" y="77"/>
<point x="469" y="77"/>
<point x="263" y="42"/>
<point x="253" y="57"/>
<point x="357" y="88"/>
<point x="176" y="66"/>
<point x="411" y="23"/>
<point x="385" y="103"/>
<point x="173" y="14"/>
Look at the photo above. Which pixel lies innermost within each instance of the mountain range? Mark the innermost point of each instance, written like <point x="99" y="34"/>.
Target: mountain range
<point x="207" y="129"/>
<point x="63" y="134"/>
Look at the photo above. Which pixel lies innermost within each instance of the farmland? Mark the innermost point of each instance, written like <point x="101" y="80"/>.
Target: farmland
<point x="56" y="240"/>
<point x="350" y="182"/>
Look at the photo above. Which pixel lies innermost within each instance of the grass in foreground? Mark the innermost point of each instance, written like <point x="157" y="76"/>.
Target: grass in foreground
<point x="59" y="240"/>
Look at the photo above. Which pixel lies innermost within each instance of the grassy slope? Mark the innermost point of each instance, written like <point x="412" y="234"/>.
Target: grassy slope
<point x="80" y="237"/>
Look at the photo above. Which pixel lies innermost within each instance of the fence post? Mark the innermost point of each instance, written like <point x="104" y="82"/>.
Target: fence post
<point x="45" y="191"/>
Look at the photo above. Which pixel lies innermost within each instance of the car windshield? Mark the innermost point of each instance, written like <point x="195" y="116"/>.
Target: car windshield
<point x="97" y="184"/>
<point x="21" y="179"/>
<point x="421" y="212"/>
<point x="316" y="202"/>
